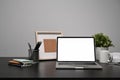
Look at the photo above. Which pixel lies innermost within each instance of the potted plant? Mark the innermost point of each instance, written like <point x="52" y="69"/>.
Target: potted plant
<point x="102" y="42"/>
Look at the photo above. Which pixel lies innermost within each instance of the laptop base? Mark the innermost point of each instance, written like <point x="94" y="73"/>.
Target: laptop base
<point x="79" y="67"/>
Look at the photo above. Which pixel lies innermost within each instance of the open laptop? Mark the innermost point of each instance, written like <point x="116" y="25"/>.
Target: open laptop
<point x="76" y="53"/>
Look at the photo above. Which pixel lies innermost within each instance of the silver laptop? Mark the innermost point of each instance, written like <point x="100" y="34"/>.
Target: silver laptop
<point x="76" y="53"/>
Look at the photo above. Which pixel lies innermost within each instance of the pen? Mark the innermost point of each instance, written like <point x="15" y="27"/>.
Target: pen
<point x="29" y="46"/>
<point x="30" y="50"/>
<point x="37" y="45"/>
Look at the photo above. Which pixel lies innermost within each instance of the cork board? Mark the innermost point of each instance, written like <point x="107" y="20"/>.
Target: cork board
<point x="50" y="45"/>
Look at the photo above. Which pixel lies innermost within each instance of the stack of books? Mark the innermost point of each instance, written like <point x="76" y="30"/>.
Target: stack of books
<point x="20" y="62"/>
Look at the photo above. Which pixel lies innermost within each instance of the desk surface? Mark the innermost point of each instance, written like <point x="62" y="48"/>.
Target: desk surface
<point x="46" y="69"/>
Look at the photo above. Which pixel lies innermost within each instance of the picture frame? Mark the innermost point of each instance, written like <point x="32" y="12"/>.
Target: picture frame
<point x="47" y="50"/>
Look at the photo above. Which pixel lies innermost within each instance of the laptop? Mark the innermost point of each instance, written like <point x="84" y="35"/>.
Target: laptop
<point x="76" y="53"/>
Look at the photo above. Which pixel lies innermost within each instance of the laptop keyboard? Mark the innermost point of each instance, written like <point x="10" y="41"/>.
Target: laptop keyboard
<point x="77" y="63"/>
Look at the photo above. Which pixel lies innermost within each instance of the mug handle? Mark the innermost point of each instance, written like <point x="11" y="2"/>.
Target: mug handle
<point x="110" y="58"/>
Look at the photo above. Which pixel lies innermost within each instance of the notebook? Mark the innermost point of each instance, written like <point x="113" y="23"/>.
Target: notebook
<point x="76" y="53"/>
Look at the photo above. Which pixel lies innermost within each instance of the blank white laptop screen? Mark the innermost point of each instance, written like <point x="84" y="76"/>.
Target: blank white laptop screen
<point x="76" y="49"/>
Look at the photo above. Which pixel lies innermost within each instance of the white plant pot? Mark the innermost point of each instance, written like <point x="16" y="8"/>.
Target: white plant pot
<point x="103" y="56"/>
<point x="99" y="53"/>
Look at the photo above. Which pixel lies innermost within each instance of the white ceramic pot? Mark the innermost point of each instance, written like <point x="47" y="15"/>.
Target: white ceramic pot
<point x="98" y="52"/>
<point x="104" y="56"/>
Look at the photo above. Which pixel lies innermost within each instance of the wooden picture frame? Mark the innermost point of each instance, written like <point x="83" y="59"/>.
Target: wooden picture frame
<point x="47" y="50"/>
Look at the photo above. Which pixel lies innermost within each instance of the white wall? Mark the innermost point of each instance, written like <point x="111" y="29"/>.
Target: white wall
<point x="19" y="19"/>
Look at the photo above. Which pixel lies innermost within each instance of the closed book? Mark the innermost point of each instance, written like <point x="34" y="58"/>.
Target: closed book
<point x="24" y="61"/>
<point x="19" y="63"/>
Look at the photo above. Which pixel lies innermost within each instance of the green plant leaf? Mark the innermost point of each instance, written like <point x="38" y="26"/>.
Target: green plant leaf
<point x="102" y="40"/>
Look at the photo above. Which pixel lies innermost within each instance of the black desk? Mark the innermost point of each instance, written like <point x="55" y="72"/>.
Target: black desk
<point x="46" y="69"/>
